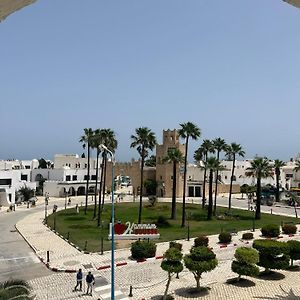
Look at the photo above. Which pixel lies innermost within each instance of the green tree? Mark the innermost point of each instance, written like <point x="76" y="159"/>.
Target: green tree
<point x="201" y="154"/>
<point x="143" y="140"/>
<point x="212" y="164"/>
<point x="86" y="143"/>
<point x="245" y="263"/>
<point x="219" y="146"/>
<point x="15" y="289"/>
<point x="172" y="264"/>
<point x="42" y="164"/>
<point x="232" y="151"/>
<point x="277" y="165"/>
<point x="151" y="161"/>
<point x="201" y="259"/>
<point x="260" y="168"/>
<point x="294" y="250"/>
<point x="175" y="157"/>
<point x="188" y="130"/>
<point x="150" y="186"/>
<point x="26" y="193"/>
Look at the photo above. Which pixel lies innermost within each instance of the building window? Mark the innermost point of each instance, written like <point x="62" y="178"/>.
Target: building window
<point x="233" y="178"/>
<point x="5" y="181"/>
<point x="160" y="177"/>
<point x="85" y="166"/>
<point x="171" y="177"/>
<point x="24" y="177"/>
<point x="27" y="167"/>
<point x="288" y="175"/>
<point x="68" y="177"/>
<point x="94" y="177"/>
<point x="74" y="177"/>
<point x="85" y="177"/>
<point x="225" y="176"/>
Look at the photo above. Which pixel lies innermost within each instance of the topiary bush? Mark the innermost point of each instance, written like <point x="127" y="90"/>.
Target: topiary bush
<point x="294" y="250"/>
<point x="176" y="245"/>
<point x="143" y="249"/>
<point x="270" y="230"/>
<point x="247" y="236"/>
<point x="245" y="263"/>
<point x="162" y="222"/>
<point x="201" y="240"/>
<point x="225" y="237"/>
<point x="289" y="229"/>
<point x="272" y="254"/>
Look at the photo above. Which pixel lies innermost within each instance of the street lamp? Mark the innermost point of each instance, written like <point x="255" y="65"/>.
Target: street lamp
<point x="112" y="296"/>
<point x="295" y="3"/>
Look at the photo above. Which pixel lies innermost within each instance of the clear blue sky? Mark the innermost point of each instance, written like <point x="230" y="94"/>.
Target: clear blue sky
<point x="231" y="67"/>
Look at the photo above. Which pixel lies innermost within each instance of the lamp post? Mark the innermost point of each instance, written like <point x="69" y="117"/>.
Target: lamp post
<point x="112" y="296"/>
<point x="46" y="205"/>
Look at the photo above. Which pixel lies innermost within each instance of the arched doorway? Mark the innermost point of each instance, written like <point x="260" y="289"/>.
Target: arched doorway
<point x="81" y="191"/>
<point x="39" y="177"/>
<point x="71" y="191"/>
<point x="62" y="192"/>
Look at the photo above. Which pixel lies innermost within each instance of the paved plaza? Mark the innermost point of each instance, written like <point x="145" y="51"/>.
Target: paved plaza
<point x="147" y="279"/>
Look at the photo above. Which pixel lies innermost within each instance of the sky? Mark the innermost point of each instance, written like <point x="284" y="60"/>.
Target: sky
<point x="231" y="67"/>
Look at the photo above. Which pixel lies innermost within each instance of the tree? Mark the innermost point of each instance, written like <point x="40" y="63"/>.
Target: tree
<point x="201" y="259"/>
<point x="245" y="263"/>
<point x="202" y="154"/>
<point x="86" y="142"/>
<point x="175" y="157"/>
<point x="172" y="264"/>
<point x="151" y="161"/>
<point x="143" y="140"/>
<point x="277" y="165"/>
<point x="26" y="194"/>
<point x="188" y="130"/>
<point x="150" y="186"/>
<point x="272" y="254"/>
<point x="260" y="168"/>
<point x="294" y="250"/>
<point x="15" y="289"/>
<point x="219" y="146"/>
<point x="212" y="164"/>
<point x="232" y="151"/>
<point x="42" y="164"/>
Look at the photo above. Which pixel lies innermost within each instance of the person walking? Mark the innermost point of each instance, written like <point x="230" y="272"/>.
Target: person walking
<point x="90" y="280"/>
<point x="79" y="277"/>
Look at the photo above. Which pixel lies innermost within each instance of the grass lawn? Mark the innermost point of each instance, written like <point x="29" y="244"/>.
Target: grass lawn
<point x="83" y="228"/>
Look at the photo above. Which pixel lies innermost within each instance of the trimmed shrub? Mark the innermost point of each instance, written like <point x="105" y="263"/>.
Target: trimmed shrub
<point x="272" y="254"/>
<point x="294" y="250"/>
<point x="270" y="230"/>
<point x="143" y="249"/>
<point x="225" y="237"/>
<point x="162" y="222"/>
<point x="289" y="229"/>
<point x="176" y="245"/>
<point x="201" y="240"/>
<point x="247" y="236"/>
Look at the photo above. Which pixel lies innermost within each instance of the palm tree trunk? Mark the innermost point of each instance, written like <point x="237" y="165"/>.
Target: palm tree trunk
<point x="141" y="186"/>
<point x="173" y="214"/>
<point x="184" y="182"/>
<point x="231" y="181"/>
<point x="210" y="196"/>
<point x="204" y="186"/>
<point x="100" y="191"/>
<point x="104" y="179"/>
<point x="216" y="185"/>
<point x="277" y="184"/>
<point x="87" y="180"/>
<point x="96" y="185"/>
<point x="258" y="198"/>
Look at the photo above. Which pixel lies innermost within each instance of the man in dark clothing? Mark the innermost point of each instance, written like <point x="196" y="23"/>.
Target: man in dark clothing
<point x="90" y="280"/>
<point x="79" y="277"/>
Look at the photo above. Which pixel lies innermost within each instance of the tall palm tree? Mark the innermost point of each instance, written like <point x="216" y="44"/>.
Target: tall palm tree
<point x="96" y="141"/>
<point x="86" y="142"/>
<point x="212" y="164"/>
<point x="219" y="146"/>
<point x="260" y="168"/>
<point x="175" y="157"/>
<point x="232" y="151"/>
<point x="188" y="130"/>
<point x="277" y="165"/>
<point x="143" y="140"/>
<point x="202" y="154"/>
<point x="109" y="140"/>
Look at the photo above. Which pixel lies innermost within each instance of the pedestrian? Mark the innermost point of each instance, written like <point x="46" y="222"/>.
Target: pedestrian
<point x="77" y="208"/>
<point x="90" y="280"/>
<point x="79" y="277"/>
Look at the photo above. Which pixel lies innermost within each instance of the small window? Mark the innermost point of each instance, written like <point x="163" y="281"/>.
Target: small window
<point x="24" y="177"/>
<point x="68" y="177"/>
<point x="225" y="176"/>
<point x="85" y="177"/>
<point x="160" y="177"/>
<point x="171" y="177"/>
<point x="85" y="166"/>
<point x="74" y="177"/>
<point x="27" y="167"/>
<point x="94" y="177"/>
<point x="233" y="178"/>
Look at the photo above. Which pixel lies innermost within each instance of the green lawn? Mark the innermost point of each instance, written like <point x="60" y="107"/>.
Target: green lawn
<point x="83" y="228"/>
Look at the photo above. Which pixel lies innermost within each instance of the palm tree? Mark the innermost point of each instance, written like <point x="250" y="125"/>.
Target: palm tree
<point x="26" y="193"/>
<point x="260" y="168"/>
<point x="219" y="146"/>
<point x="86" y="140"/>
<point x="277" y="165"/>
<point x="15" y="289"/>
<point x="212" y="164"/>
<point x="201" y="154"/>
<point x="187" y="130"/>
<point x="232" y="151"/>
<point x="96" y="141"/>
<point x="175" y="157"/>
<point x="143" y="140"/>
